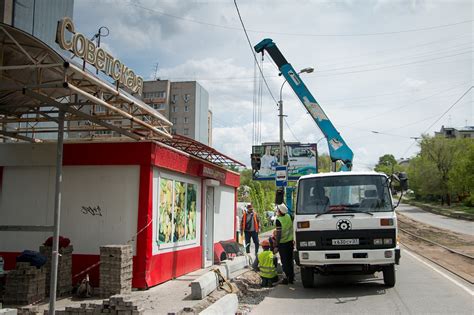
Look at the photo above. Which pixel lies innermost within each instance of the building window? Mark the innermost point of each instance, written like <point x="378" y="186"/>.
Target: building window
<point x="159" y="94"/>
<point x="99" y="109"/>
<point x="186" y="131"/>
<point x="158" y="106"/>
<point x="175" y="120"/>
<point x="186" y="108"/>
<point x="174" y="98"/>
<point x="186" y="97"/>
<point x="186" y="120"/>
<point x="173" y="131"/>
<point x="175" y="109"/>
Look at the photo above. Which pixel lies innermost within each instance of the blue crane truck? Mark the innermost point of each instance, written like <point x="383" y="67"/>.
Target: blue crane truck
<point x="344" y="222"/>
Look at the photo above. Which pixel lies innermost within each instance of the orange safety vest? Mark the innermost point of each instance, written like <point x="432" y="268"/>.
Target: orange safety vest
<point x="255" y="221"/>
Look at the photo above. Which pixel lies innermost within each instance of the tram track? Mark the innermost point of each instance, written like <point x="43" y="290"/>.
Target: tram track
<point x="454" y="260"/>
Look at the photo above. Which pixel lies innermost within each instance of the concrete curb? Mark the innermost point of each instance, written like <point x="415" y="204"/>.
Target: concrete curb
<point x="228" y="304"/>
<point x="208" y="282"/>
<point x="436" y="210"/>
<point x="235" y="265"/>
<point x="204" y="285"/>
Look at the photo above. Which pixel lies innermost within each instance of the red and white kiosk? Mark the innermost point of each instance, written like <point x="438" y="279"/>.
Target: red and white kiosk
<point x="173" y="198"/>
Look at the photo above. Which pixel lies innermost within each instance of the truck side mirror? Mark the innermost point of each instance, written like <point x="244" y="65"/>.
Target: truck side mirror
<point x="402" y="176"/>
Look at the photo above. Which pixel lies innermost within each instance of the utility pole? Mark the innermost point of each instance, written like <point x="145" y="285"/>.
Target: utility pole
<point x="280" y="107"/>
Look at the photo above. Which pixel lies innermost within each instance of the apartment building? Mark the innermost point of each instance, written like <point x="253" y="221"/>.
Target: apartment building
<point x="451" y="132"/>
<point x="185" y="104"/>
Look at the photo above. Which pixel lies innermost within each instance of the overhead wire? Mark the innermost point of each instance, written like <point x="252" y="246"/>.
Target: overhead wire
<point x="253" y="52"/>
<point x="440" y="117"/>
<point x="235" y="28"/>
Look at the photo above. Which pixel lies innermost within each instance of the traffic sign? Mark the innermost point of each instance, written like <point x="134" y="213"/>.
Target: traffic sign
<point x="281" y="176"/>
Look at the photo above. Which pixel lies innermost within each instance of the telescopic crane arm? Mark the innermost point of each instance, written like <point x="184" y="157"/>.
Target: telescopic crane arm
<point x="338" y="149"/>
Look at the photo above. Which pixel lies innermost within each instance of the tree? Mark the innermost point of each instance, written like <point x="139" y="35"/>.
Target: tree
<point x="387" y="164"/>
<point x="324" y="163"/>
<point x="442" y="152"/>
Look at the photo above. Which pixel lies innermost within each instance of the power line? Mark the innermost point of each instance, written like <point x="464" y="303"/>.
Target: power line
<point x="439" y="118"/>
<point x="289" y="128"/>
<point x="253" y="53"/>
<point x="235" y="28"/>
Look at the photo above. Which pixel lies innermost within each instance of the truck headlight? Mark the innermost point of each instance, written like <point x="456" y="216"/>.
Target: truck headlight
<point x="312" y="243"/>
<point x="387" y="241"/>
<point x="377" y="241"/>
<point x="304" y="244"/>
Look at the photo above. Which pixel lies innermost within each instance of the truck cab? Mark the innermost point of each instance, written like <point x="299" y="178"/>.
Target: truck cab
<point x="345" y="223"/>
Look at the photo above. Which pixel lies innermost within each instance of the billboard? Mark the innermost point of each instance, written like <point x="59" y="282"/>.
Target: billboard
<point x="301" y="159"/>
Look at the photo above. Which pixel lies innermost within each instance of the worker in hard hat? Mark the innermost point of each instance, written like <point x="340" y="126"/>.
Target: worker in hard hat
<point x="284" y="242"/>
<point x="265" y="263"/>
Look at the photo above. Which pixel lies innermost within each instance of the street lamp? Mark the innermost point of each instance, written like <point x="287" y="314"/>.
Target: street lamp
<point x="280" y="107"/>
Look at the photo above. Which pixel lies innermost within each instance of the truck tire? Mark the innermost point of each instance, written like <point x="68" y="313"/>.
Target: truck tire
<point x="389" y="276"/>
<point x="307" y="277"/>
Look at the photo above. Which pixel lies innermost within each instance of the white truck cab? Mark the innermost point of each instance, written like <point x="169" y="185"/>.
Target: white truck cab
<point x="345" y="223"/>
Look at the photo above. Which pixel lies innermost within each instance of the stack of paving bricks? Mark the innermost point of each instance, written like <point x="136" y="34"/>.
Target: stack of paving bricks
<point x="115" y="269"/>
<point x="64" y="284"/>
<point x="24" y="285"/>
<point x="115" y="305"/>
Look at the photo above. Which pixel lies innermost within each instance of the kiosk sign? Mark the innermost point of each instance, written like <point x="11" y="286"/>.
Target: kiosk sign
<point x="84" y="48"/>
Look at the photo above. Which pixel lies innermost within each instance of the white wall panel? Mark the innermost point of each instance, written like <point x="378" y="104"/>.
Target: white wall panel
<point x="27" y="198"/>
<point x="224" y="213"/>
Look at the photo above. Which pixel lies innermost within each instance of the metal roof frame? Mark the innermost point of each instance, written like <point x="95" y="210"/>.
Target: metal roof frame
<point x="36" y="83"/>
<point x="201" y="151"/>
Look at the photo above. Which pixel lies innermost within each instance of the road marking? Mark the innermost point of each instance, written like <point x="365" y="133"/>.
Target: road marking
<point x="453" y="280"/>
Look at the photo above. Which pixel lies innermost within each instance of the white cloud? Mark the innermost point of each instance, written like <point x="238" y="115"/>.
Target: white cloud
<point x="357" y="98"/>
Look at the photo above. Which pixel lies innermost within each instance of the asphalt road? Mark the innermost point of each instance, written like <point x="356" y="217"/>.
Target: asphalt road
<point x="440" y="221"/>
<point x="421" y="289"/>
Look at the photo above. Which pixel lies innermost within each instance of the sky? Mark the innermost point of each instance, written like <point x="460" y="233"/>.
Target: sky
<point x="385" y="71"/>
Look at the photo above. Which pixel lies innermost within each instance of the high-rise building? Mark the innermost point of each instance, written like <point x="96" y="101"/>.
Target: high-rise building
<point x="36" y="17"/>
<point x="185" y="104"/>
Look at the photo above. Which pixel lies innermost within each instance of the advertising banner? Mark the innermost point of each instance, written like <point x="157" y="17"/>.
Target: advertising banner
<point x="301" y="159"/>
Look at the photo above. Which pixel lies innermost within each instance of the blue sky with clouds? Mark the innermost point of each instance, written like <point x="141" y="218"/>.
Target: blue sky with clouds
<point x="388" y="66"/>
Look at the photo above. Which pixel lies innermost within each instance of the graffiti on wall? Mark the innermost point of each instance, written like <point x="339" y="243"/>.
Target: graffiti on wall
<point x="91" y="210"/>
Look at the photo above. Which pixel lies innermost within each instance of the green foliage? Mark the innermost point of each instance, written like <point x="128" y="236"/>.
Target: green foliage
<point x="260" y="193"/>
<point x="443" y="169"/>
<point x="388" y="164"/>
<point x="324" y="163"/>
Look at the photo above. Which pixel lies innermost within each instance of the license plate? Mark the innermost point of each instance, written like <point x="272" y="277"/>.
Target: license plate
<point x="346" y="241"/>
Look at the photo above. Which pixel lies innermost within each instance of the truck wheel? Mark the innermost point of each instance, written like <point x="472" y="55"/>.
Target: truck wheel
<point x="389" y="275"/>
<point x="307" y="277"/>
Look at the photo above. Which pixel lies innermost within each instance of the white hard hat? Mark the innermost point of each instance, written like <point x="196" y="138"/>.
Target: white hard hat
<point x="282" y="208"/>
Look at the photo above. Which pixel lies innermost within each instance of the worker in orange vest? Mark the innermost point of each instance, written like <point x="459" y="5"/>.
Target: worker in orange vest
<point x="250" y="226"/>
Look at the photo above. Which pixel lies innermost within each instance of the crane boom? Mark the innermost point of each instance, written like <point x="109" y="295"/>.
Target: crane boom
<point x="338" y="149"/>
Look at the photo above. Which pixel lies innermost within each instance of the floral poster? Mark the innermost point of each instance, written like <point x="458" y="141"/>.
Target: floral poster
<point x="166" y="211"/>
<point x="191" y="212"/>
<point x="179" y="211"/>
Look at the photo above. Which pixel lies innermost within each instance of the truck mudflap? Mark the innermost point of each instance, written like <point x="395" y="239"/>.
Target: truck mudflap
<point x="397" y="255"/>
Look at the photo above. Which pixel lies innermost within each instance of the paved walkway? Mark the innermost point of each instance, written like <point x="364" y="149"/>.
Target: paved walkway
<point x="436" y="220"/>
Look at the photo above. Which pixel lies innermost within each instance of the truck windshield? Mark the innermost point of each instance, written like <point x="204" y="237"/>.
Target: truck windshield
<point x="339" y="194"/>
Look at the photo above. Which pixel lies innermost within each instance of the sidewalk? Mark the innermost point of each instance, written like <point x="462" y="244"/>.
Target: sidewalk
<point x="169" y="297"/>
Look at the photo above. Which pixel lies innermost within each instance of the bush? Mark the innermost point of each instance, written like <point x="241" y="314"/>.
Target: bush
<point x="469" y="201"/>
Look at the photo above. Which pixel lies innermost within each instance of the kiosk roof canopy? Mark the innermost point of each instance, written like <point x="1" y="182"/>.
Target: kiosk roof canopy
<point x="36" y="83"/>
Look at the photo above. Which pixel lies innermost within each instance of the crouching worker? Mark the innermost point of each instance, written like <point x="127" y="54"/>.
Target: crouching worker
<point x="266" y="264"/>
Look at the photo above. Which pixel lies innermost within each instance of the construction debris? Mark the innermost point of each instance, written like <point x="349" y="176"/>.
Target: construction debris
<point x="25" y="285"/>
<point x="64" y="286"/>
<point x="116" y="263"/>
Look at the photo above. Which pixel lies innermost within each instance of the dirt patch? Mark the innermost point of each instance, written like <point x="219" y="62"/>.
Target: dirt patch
<point x="250" y="292"/>
<point x="463" y="243"/>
